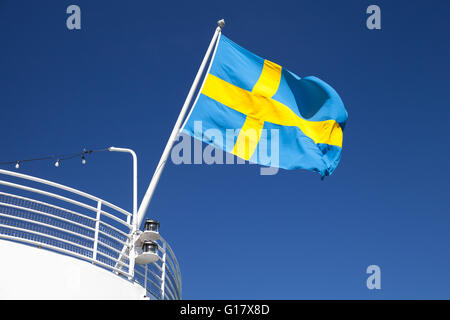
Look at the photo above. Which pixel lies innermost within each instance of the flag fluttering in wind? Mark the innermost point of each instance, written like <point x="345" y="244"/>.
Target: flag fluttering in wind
<point x="247" y="93"/>
<point x="268" y="109"/>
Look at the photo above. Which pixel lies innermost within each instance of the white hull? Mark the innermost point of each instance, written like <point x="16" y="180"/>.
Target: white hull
<point x="87" y="246"/>
<point x="27" y="272"/>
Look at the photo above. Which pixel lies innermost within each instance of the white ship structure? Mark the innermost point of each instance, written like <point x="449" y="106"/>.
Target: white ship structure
<point x="57" y="242"/>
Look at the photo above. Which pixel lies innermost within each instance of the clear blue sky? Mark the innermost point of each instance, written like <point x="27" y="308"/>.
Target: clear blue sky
<point x="122" y="79"/>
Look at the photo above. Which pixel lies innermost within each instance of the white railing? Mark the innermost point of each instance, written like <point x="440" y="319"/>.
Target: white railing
<point x="72" y="222"/>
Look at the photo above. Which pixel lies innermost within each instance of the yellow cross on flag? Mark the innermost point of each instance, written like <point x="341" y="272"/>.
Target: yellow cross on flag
<point x="245" y="92"/>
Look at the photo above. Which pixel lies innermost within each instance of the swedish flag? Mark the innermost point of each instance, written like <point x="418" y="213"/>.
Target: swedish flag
<point x="257" y="97"/>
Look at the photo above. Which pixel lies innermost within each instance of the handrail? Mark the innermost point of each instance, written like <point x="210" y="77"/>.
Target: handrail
<point x="46" y="225"/>
<point x="47" y="214"/>
<point x="123" y="243"/>
<point x="49" y="236"/>
<point x="176" y="267"/>
<point x="50" y="194"/>
<point x="114" y="228"/>
<point x="87" y="236"/>
<point x="47" y="204"/>
<point x="66" y="188"/>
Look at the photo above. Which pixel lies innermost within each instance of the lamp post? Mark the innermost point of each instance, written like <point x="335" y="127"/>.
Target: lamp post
<point x="133" y="154"/>
<point x="135" y="220"/>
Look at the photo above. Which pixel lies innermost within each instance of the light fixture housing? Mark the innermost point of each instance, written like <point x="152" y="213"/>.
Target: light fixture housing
<point x="150" y="233"/>
<point x="150" y="246"/>
<point x="149" y="253"/>
<point x="151" y="225"/>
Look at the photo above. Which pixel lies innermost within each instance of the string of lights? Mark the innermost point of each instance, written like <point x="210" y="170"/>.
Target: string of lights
<point x="58" y="158"/>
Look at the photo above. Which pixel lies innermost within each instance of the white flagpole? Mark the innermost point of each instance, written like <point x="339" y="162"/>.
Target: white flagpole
<point x="153" y="183"/>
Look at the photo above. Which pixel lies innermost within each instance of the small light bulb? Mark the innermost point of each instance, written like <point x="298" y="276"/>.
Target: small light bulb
<point x="57" y="163"/>
<point x="17" y="165"/>
<point x="83" y="160"/>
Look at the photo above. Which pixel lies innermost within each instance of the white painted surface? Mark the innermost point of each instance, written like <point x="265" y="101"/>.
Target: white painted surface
<point x="27" y="272"/>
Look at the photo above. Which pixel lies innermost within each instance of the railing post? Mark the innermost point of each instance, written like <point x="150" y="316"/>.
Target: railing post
<point x="145" y="281"/>
<point x="97" y="226"/>
<point x="163" y="274"/>
<point x="131" y="257"/>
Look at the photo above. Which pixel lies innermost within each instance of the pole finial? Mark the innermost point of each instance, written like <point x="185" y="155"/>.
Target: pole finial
<point x="221" y="23"/>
